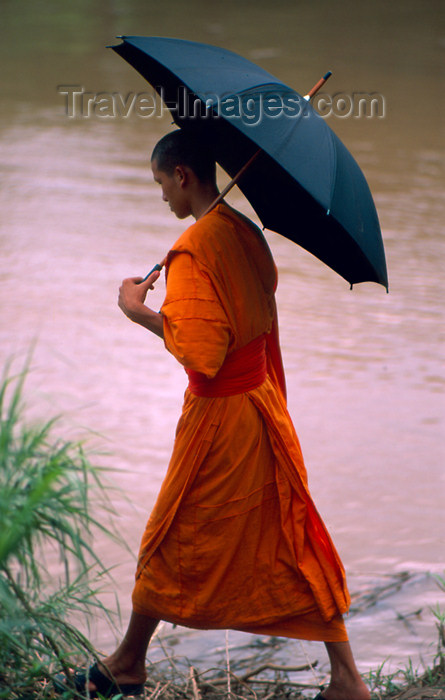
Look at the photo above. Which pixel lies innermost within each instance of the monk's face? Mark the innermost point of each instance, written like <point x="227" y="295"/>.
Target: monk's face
<point x="173" y="189"/>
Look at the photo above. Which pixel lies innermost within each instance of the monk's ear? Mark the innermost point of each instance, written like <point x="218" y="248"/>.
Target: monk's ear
<point x="182" y="175"/>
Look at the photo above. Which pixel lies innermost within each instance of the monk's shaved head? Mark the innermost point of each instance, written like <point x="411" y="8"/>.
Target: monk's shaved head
<point x="182" y="148"/>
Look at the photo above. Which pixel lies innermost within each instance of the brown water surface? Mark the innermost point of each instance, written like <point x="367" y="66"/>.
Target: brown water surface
<point x="79" y="211"/>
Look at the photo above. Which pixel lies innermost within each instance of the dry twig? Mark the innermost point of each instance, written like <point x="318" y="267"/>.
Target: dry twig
<point x="275" y="667"/>
<point x="196" y="693"/>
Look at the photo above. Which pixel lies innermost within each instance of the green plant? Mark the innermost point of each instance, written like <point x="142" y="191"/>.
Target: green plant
<point x="440" y="580"/>
<point x="439" y="614"/>
<point x="46" y="488"/>
<point x="381" y="683"/>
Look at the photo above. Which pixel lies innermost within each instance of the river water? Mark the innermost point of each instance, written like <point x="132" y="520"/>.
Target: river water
<point x="79" y="212"/>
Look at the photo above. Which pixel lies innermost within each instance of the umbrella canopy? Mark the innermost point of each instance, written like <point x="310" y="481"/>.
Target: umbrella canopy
<point x="304" y="183"/>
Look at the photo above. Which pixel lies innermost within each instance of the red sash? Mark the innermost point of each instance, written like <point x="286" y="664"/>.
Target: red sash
<point x="243" y="370"/>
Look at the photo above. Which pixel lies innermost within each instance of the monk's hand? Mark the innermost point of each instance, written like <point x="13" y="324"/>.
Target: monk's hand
<point x="132" y="293"/>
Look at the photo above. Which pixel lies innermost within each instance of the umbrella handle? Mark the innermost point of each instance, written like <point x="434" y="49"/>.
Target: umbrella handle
<point x="158" y="267"/>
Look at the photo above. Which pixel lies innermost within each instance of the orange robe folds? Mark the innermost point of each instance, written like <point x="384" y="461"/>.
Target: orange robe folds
<point x="234" y="540"/>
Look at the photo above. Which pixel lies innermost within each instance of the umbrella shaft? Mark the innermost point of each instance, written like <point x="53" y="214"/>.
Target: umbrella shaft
<point x="232" y="182"/>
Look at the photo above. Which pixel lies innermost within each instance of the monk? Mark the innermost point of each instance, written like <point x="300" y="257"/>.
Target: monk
<point x="234" y="540"/>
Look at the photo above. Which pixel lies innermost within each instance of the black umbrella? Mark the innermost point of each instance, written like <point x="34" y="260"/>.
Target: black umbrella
<point x="303" y="183"/>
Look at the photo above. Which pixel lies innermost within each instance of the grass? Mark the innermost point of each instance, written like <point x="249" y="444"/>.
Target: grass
<point x="46" y="496"/>
<point x="408" y="683"/>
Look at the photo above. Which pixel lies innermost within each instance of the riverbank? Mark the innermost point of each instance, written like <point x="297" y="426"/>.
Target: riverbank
<point x="214" y="685"/>
<point x="218" y="684"/>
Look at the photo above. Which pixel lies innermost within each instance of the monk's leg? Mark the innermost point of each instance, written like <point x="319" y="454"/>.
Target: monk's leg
<point x="346" y="682"/>
<point x="127" y="663"/>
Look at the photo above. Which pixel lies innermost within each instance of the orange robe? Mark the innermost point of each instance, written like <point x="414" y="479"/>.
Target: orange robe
<point x="234" y="540"/>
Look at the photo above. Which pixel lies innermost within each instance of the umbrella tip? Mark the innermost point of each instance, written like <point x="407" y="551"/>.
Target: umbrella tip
<point x="317" y="86"/>
<point x="111" y="46"/>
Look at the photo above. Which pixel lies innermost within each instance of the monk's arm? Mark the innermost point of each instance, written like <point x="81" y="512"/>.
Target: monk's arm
<point x="132" y="295"/>
<point x="197" y="331"/>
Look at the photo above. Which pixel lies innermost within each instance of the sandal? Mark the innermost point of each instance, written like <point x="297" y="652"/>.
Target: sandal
<point x="104" y="685"/>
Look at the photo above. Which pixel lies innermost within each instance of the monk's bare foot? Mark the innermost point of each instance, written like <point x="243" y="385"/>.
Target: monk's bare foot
<point x="353" y="689"/>
<point x="121" y="671"/>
